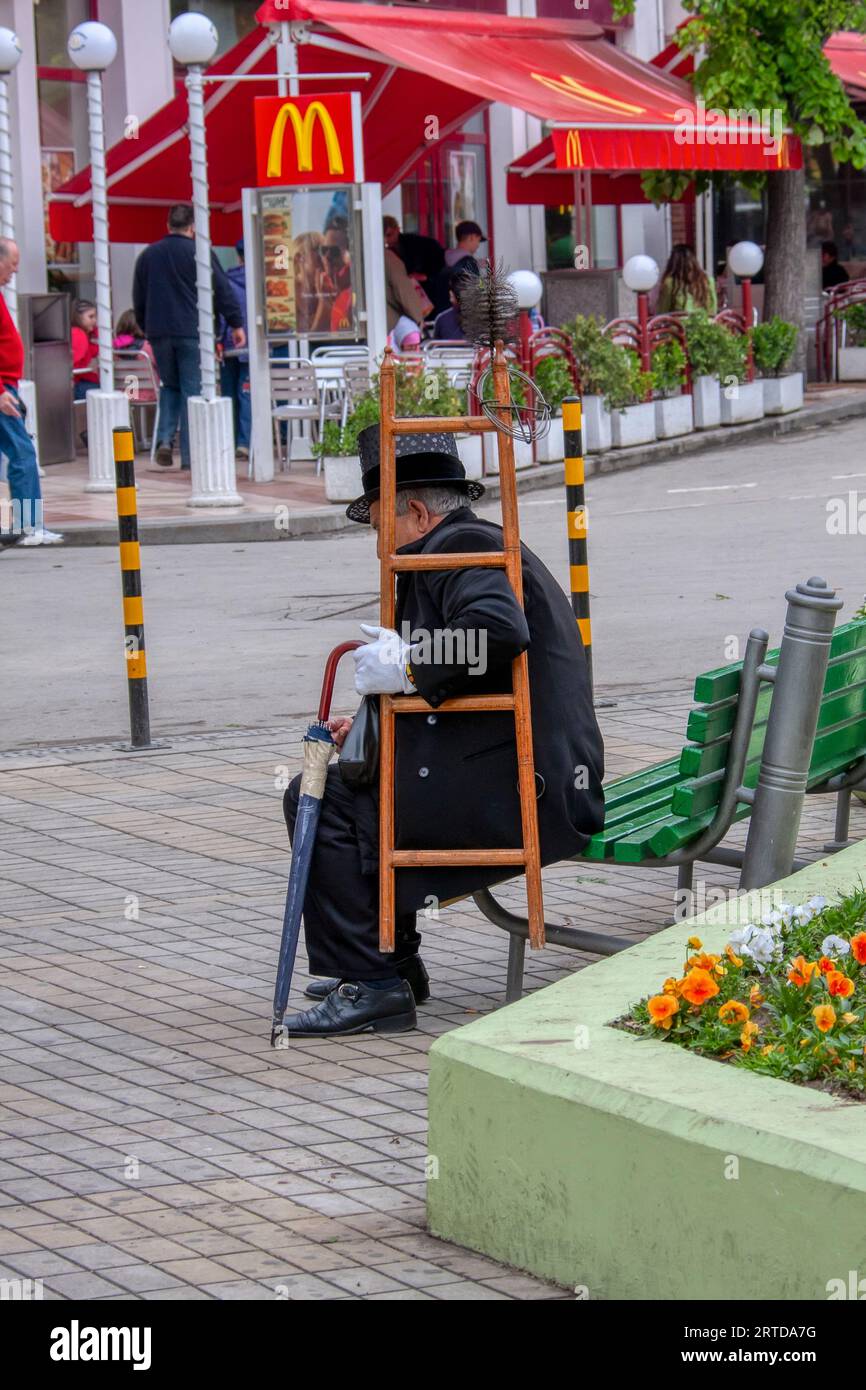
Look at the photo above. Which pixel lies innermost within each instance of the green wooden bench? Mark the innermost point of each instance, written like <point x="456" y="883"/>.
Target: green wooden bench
<point x="678" y="811"/>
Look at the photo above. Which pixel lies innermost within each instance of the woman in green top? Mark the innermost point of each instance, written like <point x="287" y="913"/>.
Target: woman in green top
<point x="684" y="286"/>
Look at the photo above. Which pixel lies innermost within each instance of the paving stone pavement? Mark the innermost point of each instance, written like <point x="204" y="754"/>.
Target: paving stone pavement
<point x="152" y="1145"/>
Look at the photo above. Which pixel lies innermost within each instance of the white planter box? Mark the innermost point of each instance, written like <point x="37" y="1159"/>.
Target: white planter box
<point x="851" y="364"/>
<point x="522" y="453"/>
<point x="471" y="450"/>
<point x="342" y="478"/>
<point x="550" y="448"/>
<point x="745" y="402"/>
<point x="596" y="425"/>
<point x="673" y="416"/>
<point x="783" y="393"/>
<point x="706" y="402"/>
<point x="636" y="424"/>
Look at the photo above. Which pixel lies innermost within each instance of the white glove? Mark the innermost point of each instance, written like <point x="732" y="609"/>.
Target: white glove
<point x="380" y="666"/>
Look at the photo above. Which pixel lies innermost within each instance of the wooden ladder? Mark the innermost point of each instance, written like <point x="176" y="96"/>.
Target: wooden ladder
<point x="528" y="854"/>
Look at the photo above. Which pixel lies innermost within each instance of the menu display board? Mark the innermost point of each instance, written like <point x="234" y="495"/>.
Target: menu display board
<point x="311" y="263"/>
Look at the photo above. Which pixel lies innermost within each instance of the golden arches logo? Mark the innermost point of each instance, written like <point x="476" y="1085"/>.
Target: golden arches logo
<point x="303" y="127"/>
<point x="573" y="152"/>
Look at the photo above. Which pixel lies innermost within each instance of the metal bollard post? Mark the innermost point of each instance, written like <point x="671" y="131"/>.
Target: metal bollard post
<point x="798" y="682"/>
<point x="133" y="609"/>
<point x="578" y="566"/>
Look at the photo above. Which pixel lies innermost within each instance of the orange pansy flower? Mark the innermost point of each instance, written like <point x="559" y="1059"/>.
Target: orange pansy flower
<point x="662" y="1008"/>
<point x="733" y="1012"/>
<point x="756" y="998"/>
<point x="824" y="1016"/>
<point x="858" y="947"/>
<point x="695" y="943"/>
<point x="802" y="970"/>
<point x="732" y="956"/>
<point x="671" y="986"/>
<point x="703" y="962"/>
<point x="825" y="965"/>
<point x="698" y="987"/>
<point x="748" y="1033"/>
<point x="839" y="984"/>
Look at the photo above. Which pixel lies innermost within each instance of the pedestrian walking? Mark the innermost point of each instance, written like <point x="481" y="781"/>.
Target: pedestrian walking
<point x="456" y="778"/>
<point x="235" y="365"/>
<point x="24" y="522"/>
<point x="685" y="286"/>
<point x="166" y="307"/>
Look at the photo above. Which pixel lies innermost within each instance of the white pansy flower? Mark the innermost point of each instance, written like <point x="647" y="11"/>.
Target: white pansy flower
<point x="760" y="944"/>
<point x="818" y="903"/>
<point x="803" y="914"/>
<point x="835" y="946"/>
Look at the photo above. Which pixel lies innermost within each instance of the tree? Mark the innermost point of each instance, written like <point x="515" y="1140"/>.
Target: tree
<point x="768" y="54"/>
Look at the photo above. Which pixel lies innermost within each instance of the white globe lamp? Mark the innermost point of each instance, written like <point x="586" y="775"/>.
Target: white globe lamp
<point x="527" y="286"/>
<point x="92" y="46"/>
<point x="192" y="39"/>
<point x="745" y="259"/>
<point x="640" y="274"/>
<point x="10" y="51"/>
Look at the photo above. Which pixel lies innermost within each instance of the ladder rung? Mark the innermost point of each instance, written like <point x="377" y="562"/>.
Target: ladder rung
<point x="413" y="704"/>
<point x="482" y="559"/>
<point x="414" y="858"/>
<point x="435" y="424"/>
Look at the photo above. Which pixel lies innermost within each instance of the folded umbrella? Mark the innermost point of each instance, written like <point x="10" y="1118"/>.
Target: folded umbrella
<point x="318" y="747"/>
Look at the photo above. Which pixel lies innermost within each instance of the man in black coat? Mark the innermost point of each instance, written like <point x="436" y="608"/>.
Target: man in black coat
<point x="166" y="306"/>
<point x="456" y="774"/>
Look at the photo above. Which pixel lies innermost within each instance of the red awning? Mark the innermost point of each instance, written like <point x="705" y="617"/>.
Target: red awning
<point x="440" y="64"/>
<point x="534" y="178"/>
<point x="847" y="57"/>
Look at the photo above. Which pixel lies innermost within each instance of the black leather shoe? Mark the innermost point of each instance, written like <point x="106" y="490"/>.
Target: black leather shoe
<point x="355" y="1008"/>
<point x="412" y="970"/>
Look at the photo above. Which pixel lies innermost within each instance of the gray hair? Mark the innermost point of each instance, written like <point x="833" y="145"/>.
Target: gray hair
<point x="7" y="246"/>
<point x="439" y="499"/>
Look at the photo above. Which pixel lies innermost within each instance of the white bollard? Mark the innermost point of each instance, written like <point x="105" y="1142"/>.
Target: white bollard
<point x="106" y="410"/>
<point x="212" y="453"/>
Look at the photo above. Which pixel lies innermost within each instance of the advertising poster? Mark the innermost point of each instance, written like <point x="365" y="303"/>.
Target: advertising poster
<point x="309" y="264"/>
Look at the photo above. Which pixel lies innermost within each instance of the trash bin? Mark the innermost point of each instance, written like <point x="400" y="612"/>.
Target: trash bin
<point x="44" y="321"/>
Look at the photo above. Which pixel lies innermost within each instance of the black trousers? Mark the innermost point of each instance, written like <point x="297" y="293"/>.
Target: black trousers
<point x="341" y="907"/>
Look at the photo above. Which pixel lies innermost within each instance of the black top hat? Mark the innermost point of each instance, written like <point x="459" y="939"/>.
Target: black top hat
<point x="423" y="460"/>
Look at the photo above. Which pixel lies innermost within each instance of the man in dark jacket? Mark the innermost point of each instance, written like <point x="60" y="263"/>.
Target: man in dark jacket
<point x="456" y="774"/>
<point x="164" y="299"/>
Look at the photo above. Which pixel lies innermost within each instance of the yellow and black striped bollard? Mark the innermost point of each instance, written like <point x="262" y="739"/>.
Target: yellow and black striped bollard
<point x="130" y="570"/>
<point x="578" y="563"/>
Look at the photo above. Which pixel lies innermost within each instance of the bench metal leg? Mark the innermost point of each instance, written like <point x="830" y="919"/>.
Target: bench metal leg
<point x="841" y="839"/>
<point x="686" y="875"/>
<point x="514" y="978"/>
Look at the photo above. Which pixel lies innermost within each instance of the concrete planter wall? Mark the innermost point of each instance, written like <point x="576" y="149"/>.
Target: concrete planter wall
<point x="522" y="453"/>
<point x="746" y="402"/>
<point x="596" y="425"/>
<point x="342" y="477"/>
<point x="632" y="1169"/>
<point x="851" y="364"/>
<point x="550" y="448"/>
<point x="471" y="449"/>
<point x="673" y="416"/>
<point x="635" y="424"/>
<point x="706" y="400"/>
<point x="783" y="394"/>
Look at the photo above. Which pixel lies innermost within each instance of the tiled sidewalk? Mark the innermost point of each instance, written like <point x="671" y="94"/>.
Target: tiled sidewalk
<point x="151" y="1144"/>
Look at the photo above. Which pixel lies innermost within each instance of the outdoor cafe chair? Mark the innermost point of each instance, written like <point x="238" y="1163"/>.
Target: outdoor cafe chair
<point x="456" y="357"/>
<point x="136" y="376"/>
<point x="296" y="396"/>
<point x="356" y="380"/>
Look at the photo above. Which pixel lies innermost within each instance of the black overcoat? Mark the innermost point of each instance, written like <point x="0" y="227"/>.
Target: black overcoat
<point x="456" y="774"/>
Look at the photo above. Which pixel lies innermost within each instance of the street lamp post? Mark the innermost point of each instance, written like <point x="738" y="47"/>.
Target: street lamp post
<point x="640" y="274"/>
<point x="193" y="41"/>
<point x="745" y="259"/>
<point x="529" y="289"/>
<point x="92" y="47"/>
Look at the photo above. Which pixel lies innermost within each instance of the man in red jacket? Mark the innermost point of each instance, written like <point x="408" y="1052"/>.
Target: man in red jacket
<point x="24" y="521"/>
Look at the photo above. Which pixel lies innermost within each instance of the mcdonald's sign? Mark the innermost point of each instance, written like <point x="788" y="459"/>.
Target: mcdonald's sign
<point x="308" y="140"/>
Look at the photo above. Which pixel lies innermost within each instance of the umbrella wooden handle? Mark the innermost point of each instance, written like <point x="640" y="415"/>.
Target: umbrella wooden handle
<point x="330" y="675"/>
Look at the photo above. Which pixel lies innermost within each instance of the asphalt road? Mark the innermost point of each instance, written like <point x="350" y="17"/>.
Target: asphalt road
<point x="685" y="558"/>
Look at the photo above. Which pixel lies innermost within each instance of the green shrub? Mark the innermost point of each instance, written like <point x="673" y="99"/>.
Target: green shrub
<point x="854" y="318"/>
<point x="628" y="385"/>
<point x="668" y="368"/>
<point x="773" y="345"/>
<point x="418" y="393"/>
<point x="553" y="379"/>
<point x="713" y="350"/>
